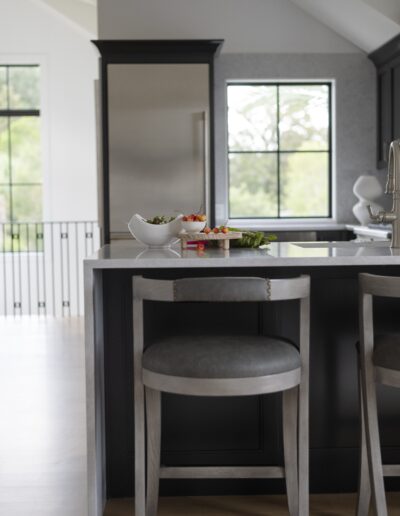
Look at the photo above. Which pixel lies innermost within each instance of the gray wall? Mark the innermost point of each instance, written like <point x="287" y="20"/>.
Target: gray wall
<point x="355" y="108"/>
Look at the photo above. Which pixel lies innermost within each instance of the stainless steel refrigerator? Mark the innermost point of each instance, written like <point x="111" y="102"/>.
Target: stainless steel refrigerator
<point x="158" y="133"/>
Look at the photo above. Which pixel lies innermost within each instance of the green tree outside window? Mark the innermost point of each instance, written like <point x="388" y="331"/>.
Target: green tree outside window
<point x="20" y="146"/>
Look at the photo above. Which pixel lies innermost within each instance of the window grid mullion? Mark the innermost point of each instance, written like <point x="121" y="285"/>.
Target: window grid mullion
<point x="9" y="143"/>
<point x="8" y="86"/>
<point x="19" y="112"/>
<point x="21" y="184"/>
<point x="326" y="151"/>
<point x="10" y="167"/>
<point x="278" y="158"/>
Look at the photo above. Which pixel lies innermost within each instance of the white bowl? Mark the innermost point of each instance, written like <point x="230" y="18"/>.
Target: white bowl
<point x="155" y="235"/>
<point x="193" y="226"/>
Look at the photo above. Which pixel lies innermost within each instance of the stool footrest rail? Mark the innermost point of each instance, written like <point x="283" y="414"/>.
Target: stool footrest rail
<point x="223" y="472"/>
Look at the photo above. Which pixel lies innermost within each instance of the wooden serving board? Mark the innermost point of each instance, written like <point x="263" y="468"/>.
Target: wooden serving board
<point x="222" y="238"/>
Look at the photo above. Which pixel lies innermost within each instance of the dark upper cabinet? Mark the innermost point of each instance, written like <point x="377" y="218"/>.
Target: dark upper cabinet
<point x="387" y="62"/>
<point x="396" y="100"/>
<point x="384" y="115"/>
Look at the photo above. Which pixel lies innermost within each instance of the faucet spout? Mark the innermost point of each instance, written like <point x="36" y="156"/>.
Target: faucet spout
<point x="392" y="187"/>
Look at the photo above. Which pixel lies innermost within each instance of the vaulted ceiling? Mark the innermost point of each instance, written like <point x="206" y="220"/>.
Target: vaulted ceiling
<point x="366" y="23"/>
<point x="81" y="13"/>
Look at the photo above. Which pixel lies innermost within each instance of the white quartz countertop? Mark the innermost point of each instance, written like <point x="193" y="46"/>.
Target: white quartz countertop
<point x="131" y="254"/>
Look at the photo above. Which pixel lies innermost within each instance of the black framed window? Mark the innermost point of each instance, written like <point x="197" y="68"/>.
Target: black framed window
<point x="279" y="150"/>
<point x="20" y="146"/>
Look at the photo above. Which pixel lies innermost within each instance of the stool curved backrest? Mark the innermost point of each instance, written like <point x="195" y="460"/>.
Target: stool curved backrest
<point x="372" y="470"/>
<point x="221" y="289"/>
<point x="371" y="285"/>
<point x="375" y="285"/>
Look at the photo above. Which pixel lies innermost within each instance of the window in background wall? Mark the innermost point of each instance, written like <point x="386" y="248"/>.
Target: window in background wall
<point x="20" y="148"/>
<point x="279" y="150"/>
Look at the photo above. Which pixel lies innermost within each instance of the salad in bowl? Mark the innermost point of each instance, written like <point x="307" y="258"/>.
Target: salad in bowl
<point x="158" y="232"/>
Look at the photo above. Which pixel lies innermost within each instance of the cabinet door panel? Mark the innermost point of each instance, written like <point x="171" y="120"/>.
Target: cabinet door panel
<point x="384" y="116"/>
<point x="396" y="102"/>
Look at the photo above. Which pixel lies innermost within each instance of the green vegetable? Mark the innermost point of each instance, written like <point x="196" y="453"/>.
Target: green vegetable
<point x="160" y="219"/>
<point x="252" y="239"/>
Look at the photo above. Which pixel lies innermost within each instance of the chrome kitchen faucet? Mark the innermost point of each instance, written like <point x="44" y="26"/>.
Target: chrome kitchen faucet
<point x="392" y="187"/>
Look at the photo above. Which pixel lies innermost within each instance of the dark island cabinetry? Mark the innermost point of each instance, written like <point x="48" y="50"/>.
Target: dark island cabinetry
<point x="243" y="430"/>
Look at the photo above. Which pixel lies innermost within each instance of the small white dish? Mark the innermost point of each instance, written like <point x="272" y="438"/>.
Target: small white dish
<point x="193" y="226"/>
<point x="155" y="236"/>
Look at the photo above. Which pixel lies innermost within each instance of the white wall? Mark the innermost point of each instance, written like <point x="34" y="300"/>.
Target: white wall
<point x="30" y="33"/>
<point x="249" y="26"/>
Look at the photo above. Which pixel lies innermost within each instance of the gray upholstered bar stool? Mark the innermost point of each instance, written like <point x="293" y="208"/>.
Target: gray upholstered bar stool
<point x="221" y="366"/>
<point x="379" y="363"/>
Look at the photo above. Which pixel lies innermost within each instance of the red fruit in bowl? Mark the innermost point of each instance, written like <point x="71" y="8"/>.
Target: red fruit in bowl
<point x="185" y="218"/>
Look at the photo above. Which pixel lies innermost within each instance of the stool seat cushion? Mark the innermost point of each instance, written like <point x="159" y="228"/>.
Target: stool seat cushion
<point x="387" y="351"/>
<point x="227" y="356"/>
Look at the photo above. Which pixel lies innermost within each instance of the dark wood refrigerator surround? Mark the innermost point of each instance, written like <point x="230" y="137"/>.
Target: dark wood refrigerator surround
<point x="149" y="51"/>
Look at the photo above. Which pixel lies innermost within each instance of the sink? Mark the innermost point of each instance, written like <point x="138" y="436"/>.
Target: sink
<point x="350" y="243"/>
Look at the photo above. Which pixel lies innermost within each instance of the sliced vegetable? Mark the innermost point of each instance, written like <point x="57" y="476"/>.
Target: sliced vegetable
<point x="252" y="239"/>
<point x="160" y="219"/>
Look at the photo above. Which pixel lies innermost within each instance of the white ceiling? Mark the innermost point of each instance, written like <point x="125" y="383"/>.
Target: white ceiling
<point x="368" y="24"/>
<point x="81" y="13"/>
<point x="389" y="8"/>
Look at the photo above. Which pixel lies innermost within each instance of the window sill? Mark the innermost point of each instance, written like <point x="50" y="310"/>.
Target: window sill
<point x="287" y="225"/>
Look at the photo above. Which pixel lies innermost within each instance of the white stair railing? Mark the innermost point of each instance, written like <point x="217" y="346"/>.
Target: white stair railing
<point x="41" y="266"/>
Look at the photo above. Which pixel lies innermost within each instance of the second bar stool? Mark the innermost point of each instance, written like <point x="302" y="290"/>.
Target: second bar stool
<point x="379" y="363"/>
<point x="227" y="365"/>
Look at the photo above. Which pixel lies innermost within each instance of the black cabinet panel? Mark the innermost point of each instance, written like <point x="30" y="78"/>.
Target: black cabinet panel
<point x="387" y="62"/>
<point x="396" y="101"/>
<point x="229" y="421"/>
<point x="384" y="115"/>
<point x="247" y="430"/>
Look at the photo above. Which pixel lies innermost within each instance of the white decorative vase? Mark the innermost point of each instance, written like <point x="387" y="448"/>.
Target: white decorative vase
<point x="366" y="189"/>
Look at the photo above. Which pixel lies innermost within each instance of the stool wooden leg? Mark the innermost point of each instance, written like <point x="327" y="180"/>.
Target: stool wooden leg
<point x="372" y="435"/>
<point x="153" y="414"/>
<point x="364" y="486"/>
<point x="303" y="446"/>
<point x="140" y="463"/>
<point x="290" y="415"/>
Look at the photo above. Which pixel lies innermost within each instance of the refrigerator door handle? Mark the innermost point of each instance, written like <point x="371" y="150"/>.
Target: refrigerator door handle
<point x="206" y="164"/>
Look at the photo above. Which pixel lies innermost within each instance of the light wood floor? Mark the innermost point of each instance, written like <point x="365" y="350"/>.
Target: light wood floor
<point x="43" y="441"/>
<point x="42" y="418"/>
<point x="321" y="505"/>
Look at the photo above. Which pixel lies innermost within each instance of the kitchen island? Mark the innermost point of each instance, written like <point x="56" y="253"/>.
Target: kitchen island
<point x="243" y="430"/>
